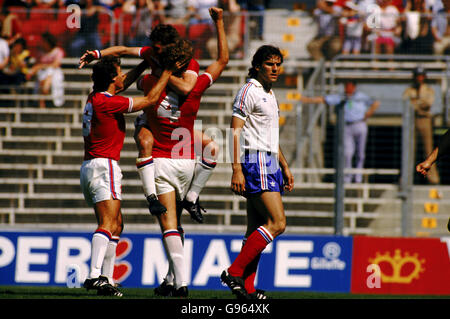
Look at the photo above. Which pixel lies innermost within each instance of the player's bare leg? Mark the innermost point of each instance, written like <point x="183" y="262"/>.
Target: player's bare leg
<point x="146" y="169"/>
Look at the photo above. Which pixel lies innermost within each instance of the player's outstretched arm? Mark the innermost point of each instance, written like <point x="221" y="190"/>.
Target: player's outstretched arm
<point x="91" y="55"/>
<point x="424" y="167"/>
<point x="216" y="68"/>
<point x="133" y="75"/>
<point x="151" y="99"/>
<point x="443" y="149"/>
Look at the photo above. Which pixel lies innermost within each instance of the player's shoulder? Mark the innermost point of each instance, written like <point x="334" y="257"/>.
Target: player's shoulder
<point x="252" y="86"/>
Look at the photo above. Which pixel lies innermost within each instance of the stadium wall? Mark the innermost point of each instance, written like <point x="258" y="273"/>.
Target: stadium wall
<point x="359" y="264"/>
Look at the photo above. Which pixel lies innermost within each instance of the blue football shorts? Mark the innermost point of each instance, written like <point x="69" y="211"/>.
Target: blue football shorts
<point x="262" y="173"/>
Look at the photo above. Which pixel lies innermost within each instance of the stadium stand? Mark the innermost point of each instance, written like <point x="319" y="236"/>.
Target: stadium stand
<point x="42" y="149"/>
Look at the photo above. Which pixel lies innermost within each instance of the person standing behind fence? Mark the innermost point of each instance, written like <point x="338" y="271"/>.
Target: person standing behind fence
<point x="50" y="78"/>
<point x="87" y="36"/>
<point x="327" y="43"/>
<point x="421" y="98"/>
<point x="357" y="109"/>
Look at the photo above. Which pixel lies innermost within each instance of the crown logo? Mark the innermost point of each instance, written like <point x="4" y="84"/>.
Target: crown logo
<point x="398" y="262"/>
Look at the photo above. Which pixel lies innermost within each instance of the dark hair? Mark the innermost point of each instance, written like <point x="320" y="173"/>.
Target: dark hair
<point x="20" y="41"/>
<point x="164" y="34"/>
<point x="50" y="38"/>
<point x="263" y="53"/>
<point x="103" y="72"/>
<point x="179" y="51"/>
<point x="419" y="71"/>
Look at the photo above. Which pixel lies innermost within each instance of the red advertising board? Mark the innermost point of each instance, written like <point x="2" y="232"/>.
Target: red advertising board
<point x="384" y="265"/>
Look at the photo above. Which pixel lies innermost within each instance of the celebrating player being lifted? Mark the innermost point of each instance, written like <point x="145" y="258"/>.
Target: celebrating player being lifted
<point x="174" y="159"/>
<point x="100" y="174"/>
<point x="162" y="36"/>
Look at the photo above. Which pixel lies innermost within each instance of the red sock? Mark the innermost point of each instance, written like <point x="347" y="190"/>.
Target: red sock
<point x="256" y="242"/>
<point x="250" y="274"/>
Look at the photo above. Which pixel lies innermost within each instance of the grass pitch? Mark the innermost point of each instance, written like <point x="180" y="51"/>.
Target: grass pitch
<point x="40" y="292"/>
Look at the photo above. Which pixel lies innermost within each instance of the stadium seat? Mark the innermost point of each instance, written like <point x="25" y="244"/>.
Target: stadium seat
<point x="104" y="28"/>
<point x="200" y="31"/>
<point x="20" y="12"/>
<point x="33" y="27"/>
<point x="199" y="34"/>
<point x="181" y="28"/>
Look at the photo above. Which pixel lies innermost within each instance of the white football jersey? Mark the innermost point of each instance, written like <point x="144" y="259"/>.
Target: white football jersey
<point x="259" y="109"/>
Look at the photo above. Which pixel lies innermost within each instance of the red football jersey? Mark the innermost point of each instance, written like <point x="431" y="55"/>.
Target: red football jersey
<point x="104" y="125"/>
<point x="147" y="54"/>
<point x="172" y="120"/>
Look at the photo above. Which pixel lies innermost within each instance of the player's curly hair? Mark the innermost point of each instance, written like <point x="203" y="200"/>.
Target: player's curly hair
<point x="263" y="53"/>
<point x="104" y="71"/>
<point x="179" y="51"/>
<point x="164" y="34"/>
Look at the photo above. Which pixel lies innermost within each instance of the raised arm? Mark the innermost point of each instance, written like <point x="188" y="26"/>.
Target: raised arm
<point x="91" y="55"/>
<point x="216" y="68"/>
<point x="133" y="75"/>
<point x="153" y="95"/>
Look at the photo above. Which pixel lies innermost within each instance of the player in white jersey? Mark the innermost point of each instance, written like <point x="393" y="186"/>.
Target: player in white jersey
<point x="261" y="173"/>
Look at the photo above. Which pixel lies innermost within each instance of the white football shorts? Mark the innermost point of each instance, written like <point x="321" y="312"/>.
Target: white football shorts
<point x="100" y="179"/>
<point x="173" y="175"/>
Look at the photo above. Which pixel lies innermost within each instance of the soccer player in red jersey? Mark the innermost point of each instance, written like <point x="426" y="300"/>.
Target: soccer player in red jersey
<point x="173" y="151"/>
<point x="162" y="36"/>
<point x="100" y="175"/>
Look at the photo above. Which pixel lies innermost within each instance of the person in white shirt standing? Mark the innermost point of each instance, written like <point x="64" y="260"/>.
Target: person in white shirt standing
<point x="261" y="174"/>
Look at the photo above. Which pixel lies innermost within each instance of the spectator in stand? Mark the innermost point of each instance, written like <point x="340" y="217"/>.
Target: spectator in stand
<point x="441" y="28"/>
<point x="232" y="21"/>
<point x="200" y="27"/>
<point x="327" y="42"/>
<point x="353" y="28"/>
<point x="141" y="26"/>
<point x="198" y="11"/>
<point x="4" y="58"/>
<point x="176" y="11"/>
<point x="417" y="35"/>
<point x="421" y="97"/>
<point x="387" y="36"/>
<point x="10" y="25"/>
<point x="256" y="7"/>
<point x="87" y="36"/>
<point x="50" y="78"/>
<point x="49" y="4"/>
<point x="19" y="64"/>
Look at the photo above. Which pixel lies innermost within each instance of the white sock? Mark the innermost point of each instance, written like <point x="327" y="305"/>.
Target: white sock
<point x="99" y="244"/>
<point x="175" y="252"/>
<point x="170" y="276"/>
<point x="146" y="170"/>
<point x="202" y="174"/>
<point x="110" y="259"/>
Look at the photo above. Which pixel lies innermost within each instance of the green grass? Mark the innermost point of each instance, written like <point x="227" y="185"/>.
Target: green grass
<point x="32" y="292"/>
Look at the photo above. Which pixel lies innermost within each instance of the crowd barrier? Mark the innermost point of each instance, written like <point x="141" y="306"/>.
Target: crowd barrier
<point x="358" y="264"/>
